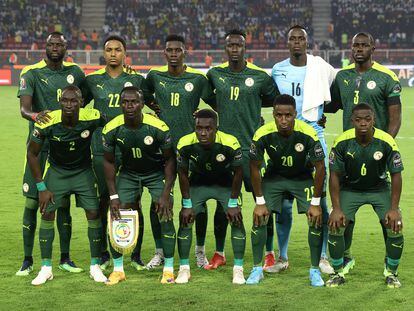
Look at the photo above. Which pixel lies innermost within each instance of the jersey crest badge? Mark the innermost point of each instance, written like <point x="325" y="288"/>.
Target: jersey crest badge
<point x="371" y="85"/>
<point x="26" y="187"/>
<point x="70" y="79"/>
<point x="249" y="82"/>
<point x="378" y="155"/>
<point x="189" y="87"/>
<point x="127" y="84"/>
<point x="299" y="147"/>
<point x="85" y="134"/>
<point x="148" y="140"/>
<point x="220" y="157"/>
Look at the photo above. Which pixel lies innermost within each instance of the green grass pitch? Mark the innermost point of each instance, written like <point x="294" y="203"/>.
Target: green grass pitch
<point x="365" y="288"/>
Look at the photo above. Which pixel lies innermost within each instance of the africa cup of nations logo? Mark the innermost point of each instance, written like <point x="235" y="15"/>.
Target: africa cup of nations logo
<point x="123" y="231"/>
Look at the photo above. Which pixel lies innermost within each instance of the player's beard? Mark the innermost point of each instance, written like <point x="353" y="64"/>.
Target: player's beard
<point x="55" y="59"/>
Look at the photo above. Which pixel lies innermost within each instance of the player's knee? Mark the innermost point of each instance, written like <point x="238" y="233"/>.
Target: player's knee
<point x="31" y="203"/>
<point x="393" y="235"/>
<point x="65" y="204"/>
<point x="49" y="216"/>
<point x="92" y="215"/>
<point x="338" y="232"/>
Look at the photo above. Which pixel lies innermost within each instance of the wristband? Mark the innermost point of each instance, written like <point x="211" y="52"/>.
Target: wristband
<point x="34" y="116"/>
<point x="316" y="201"/>
<point x="41" y="186"/>
<point x="232" y="203"/>
<point x="187" y="203"/>
<point x="260" y="200"/>
<point x="114" y="196"/>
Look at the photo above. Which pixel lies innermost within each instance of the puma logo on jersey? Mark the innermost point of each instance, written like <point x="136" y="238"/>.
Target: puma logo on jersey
<point x="398" y="246"/>
<point x="44" y="80"/>
<point x="56" y="138"/>
<point x="194" y="158"/>
<point x="26" y="227"/>
<point x="121" y="140"/>
<point x="346" y="82"/>
<point x="273" y="147"/>
<point x="351" y="154"/>
<point x="163" y="83"/>
<point x="169" y="236"/>
<point x="332" y="243"/>
<point x="222" y="79"/>
<point x="315" y="233"/>
<point x="100" y="86"/>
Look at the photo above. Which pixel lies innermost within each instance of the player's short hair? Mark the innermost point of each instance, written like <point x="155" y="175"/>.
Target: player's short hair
<point x="285" y="99"/>
<point x="297" y="26"/>
<point x="175" y="37"/>
<point x="236" y="32"/>
<point x="362" y="106"/>
<point x="365" y="34"/>
<point x="56" y="34"/>
<point x="132" y="89"/>
<point x="206" y="114"/>
<point x="115" y="38"/>
<point x="74" y="88"/>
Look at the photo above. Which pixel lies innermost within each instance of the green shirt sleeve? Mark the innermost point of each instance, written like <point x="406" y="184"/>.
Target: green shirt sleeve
<point x="393" y="87"/>
<point x="164" y="137"/>
<point x="336" y="101"/>
<point x="183" y="160"/>
<point x="394" y="162"/>
<point x="109" y="141"/>
<point x="207" y="94"/>
<point x="38" y="135"/>
<point x="257" y="150"/>
<point x="27" y="84"/>
<point x="86" y="93"/>
<point x="315" y="151"/>
<point x="149" y="83"/>
<point x="269" y="89"/>
<point x="237" y="158"/>
<point x="336" y="160"/>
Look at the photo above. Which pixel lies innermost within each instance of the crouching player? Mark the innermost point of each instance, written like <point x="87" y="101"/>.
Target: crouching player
<point x="215" y="160"/>
<point x="294" y="151"/>
<point x="147" y="159"/>
<point x="359" y="162"/>
<point x="69" y="133"/>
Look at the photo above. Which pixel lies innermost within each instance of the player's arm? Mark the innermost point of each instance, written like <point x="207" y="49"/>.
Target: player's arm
<point x="164" y="206"/>
<point x="269" y="92"/>
<point x="149" y="86"/>
<point x="315" y="210"/>
<point x="394" y="116"/>
<point x="207" y="94"/>
<point x="336" y="101"/>
<point x="187" y="211"/>
<point x="337" y="217"/>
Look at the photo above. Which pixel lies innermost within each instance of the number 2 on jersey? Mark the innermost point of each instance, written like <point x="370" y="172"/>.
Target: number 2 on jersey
<point x="72" y="146"/>
<point x="234" y="92"/>
<point x="309" y="193"/>
<point x="113" y="100"/>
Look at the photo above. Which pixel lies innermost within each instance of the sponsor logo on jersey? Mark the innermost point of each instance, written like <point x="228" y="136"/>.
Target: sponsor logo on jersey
<point x="220" y="157"/>
<point x="397" y="89"/>
<point x="332" y="157"/>
<point x="148" y="140"/>
<point x="249" y="82"/>
<point x="318" y="151"/>
<point x="100" y="86"/>
<point x="253" y="149"/>
<point x="371" y="85"/>
<point x="70" y="79"/>
<point x="189" y="87"/>
<point x="127" y="84"/>
<point x="378" y="155"/>
<point x="85" y="134"/>
<point x="299" y="147"/>
<point x="397" y="160"/>
<point x="163" y="83"/>
<point x="26" y="187"/>
<point x="23" y="85"/>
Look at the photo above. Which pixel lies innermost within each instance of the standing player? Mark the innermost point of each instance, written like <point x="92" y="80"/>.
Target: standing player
<point x="147" y="160"/>
<point x="307" y="79"/>
<point x="103" y="87"/>
<point x="215" y="159"/>
<point x="178" y="89"/>
<point x="241" y="90"/>
<point x="366" y="81"/>
<point x="359" y="162"/>
<point x="40" y="89"/>
<point x="294" y="152"/>
<point x="68" y="131"/>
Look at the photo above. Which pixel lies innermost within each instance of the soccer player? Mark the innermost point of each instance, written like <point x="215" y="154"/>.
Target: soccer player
<point x="178" y="89"/>
<point x="147" y="160"/>
<point x="359" y="162"/>
<point x="215" y="159"/>
<point x="294" y="76"/>
<point x="366" y="81"/>
<point x="241" y="90"/>
<point x="40" y="89"/>
<point x="294" y="152"/>
<point x="69" y="132"/>
<point x="103" y="87"/>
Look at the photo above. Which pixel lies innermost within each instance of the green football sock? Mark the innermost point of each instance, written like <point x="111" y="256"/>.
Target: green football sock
<point x="29" y="225"/>
<point x="258" y="236"/>
<point x="95" y="237"/>
<point x="394" y="247"/>
<point x="220" y="227"/>
<point x="201" y="227"/>
<point x="336" y="244"/>
<point x="315" y="240"/>
<point x="137" y="250"/>
<point x="270" y="233"/>
<point x="385" y="236"/>
<point x="349" y="232"/>
<point x="155" y="226"/>
<point x="114" y="253"/>
<point x="46" y="237"/>
<point x="184" y="239"/>
<point x="168" y="238"/>
<point x="238" y="242"/>
<point x="103" y="211"/>
<point x="64" y="225"/>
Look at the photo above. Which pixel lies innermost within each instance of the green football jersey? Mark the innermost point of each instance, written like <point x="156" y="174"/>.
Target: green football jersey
<point x="69" y="148"/>
<point x="374" y="87"/>
<point x="45" y="85"/>
<point x="141" y="149"/>
<point x="239" y="99"/>
<point x="105" y="93"/>
<point x="364" y="168"/>
<point x="288" y="156"/>
<point x="178" y="97"/>
<point x="212" y="166"/>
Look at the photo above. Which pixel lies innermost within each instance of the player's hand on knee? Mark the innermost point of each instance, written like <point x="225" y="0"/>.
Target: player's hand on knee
<point x="45" y="197"/>
<point x="115" y="207"/>
<point x="187" y="216"/>
<point x="393" y="219"/>
<point x="42" y="117"/>
<point x="315" y="215"/>
<point x="164" y="208"/>
<point x="234" y="215"/>
<point x="336" y="220"/>
<point x="260" y="212"/>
